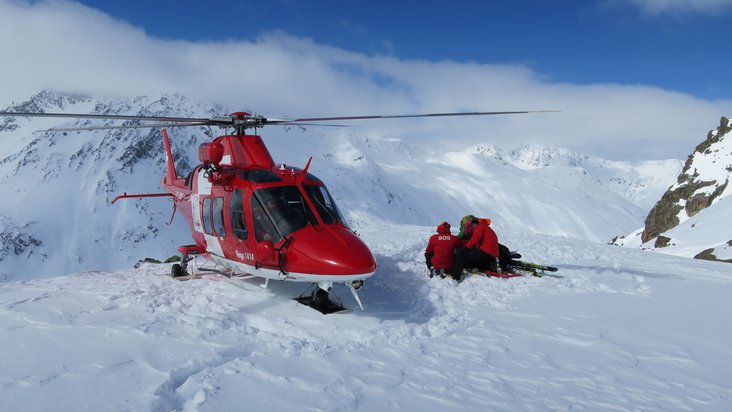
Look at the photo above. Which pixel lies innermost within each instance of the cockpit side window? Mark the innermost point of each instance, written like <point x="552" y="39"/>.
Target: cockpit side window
<point x="324" y="204"/>
<point x="263" y="225"/>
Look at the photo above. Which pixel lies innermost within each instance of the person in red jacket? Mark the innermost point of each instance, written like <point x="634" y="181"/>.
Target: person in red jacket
<point x="440" y="251"/>
<point x="480" y="252"/>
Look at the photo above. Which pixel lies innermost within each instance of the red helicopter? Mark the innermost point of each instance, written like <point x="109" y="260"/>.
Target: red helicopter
<point x="255" y="217"/>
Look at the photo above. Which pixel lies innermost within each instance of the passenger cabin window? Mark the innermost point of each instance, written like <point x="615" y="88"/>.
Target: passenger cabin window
<point x="236" y="209"/>
<point x="218" y="216"/>
<point x="206" y="218"/>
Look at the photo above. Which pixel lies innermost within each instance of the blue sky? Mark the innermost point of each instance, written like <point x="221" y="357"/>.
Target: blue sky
<point x="674" y="44"/>
<point x="634" y="79"/>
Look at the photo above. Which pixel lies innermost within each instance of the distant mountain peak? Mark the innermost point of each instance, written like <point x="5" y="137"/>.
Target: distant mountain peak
<point x="534" y="156"/>
<point x="47" y="100"/>
<point x="488" y="150"/>
<point x="42" y="102"/>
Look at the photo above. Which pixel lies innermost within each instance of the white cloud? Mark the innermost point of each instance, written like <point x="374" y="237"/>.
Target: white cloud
<point x="657" y="7"/>
<point x="69" y="47"/>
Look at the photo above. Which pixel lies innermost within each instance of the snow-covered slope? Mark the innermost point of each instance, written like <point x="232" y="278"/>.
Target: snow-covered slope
<point x="58" y="187"/>
<point x="57" y="214"/>
<point x="390" y="180"/>
<point x="642" y="183"/>
<point x="621" y="329"/>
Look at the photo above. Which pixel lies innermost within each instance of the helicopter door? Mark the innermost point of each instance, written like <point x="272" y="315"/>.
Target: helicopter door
<point x="265" y="234"/>
<point x="212" y="219"/>
<point x="237" y="243"/>
<point x="237" y="218"/>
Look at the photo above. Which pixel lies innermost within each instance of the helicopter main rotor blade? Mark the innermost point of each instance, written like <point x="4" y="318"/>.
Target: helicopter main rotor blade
<point x="402" y="116"/>
<point x="166" y="121"/>
<point x="107" y="117"/>
<point x="135" y="126"/>
<point x="296" y="123"/>
<point x="240" y="120"/>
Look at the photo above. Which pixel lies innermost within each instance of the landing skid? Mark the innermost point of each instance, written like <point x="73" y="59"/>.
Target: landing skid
<point x="319" y="299"/>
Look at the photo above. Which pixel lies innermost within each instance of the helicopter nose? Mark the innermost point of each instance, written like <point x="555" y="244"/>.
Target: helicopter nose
<point x="329" y="251"/>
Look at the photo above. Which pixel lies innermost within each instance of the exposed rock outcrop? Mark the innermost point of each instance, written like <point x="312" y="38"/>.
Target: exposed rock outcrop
<point x="703" y="180"/>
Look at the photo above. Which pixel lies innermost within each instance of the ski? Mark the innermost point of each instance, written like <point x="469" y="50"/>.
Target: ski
<point x="492" y="274"/>
<point x="502" y="275"/>
<point x="534" y="266"/>
<point x="517" y="268"/>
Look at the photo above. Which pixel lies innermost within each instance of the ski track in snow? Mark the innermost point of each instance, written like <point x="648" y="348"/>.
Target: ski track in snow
<point x="616" y="329"/>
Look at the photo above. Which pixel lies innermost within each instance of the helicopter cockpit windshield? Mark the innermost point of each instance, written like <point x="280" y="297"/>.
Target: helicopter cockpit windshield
<point x="280" y="211"/>
<point x="284" y="207"/>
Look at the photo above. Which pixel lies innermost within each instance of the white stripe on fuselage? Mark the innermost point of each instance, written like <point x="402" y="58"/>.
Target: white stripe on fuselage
<point x="266" y="273"/>
<point x="204" y="189"/>
<point x="196" y="211"/>
<point x="213" y="245"/>
<point x="204" y="186"/>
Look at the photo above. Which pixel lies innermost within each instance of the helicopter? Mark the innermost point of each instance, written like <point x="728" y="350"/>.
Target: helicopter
<point x="253" y="217"/>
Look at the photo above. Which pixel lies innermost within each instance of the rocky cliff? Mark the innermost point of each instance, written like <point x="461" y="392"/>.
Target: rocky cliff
<point x="703" y="182"/>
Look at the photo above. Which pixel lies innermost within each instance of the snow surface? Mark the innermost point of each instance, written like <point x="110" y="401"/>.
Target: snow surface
<point x="616" y="329"/>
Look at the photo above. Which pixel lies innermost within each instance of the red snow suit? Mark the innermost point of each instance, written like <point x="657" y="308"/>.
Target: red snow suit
<point x="443" y="245"/>
<point x="485" y="239"/>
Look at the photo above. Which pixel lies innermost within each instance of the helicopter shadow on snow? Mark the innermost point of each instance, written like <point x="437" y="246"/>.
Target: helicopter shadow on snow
<point x="392" y="294"/>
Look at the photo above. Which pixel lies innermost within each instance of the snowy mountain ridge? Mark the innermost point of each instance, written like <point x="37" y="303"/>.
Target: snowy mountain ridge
<point x="67" y="211"/>
<point x="642" y="183"/>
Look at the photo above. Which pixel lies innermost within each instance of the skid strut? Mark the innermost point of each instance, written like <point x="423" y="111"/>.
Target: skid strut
<point x="319" y="298"/>
<point x="188" y="253"/>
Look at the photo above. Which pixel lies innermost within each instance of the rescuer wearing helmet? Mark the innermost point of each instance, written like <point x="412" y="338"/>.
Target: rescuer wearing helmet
<point x="481" y="250"/>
